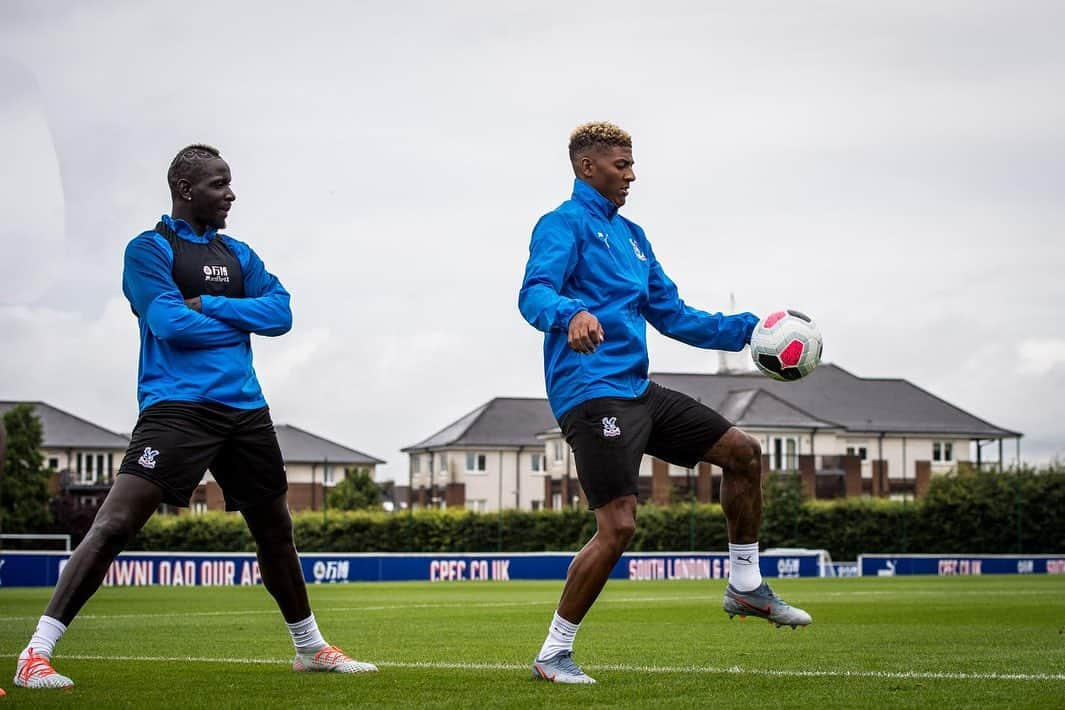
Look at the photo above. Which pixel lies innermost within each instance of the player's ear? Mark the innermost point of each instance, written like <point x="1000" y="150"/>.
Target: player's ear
<point x="586" y="166"/>
<point x="184" y="188"/>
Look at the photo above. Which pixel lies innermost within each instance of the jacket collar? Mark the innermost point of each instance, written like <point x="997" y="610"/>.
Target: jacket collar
<point x="184" y="230"/>
<point x="590" y="198"/>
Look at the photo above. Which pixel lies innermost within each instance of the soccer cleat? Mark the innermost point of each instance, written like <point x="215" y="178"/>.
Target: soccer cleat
<point x="560" y="669"/>
<point x="330" y="660"/>
<point x="763" y="603"/>
<point x="35" y="671"/>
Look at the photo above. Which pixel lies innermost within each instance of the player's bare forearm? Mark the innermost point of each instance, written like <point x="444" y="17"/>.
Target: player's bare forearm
<point x="194" y="304"/>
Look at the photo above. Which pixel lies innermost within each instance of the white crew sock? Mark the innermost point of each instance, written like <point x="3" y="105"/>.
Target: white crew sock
<point x="306" y="636"/>
<point x="560" y="637"/>
<point x="744" y="573"/>
<point x="45" y="637"/>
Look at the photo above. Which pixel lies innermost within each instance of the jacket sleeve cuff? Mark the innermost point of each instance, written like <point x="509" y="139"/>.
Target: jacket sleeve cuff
<point x="209" y="305"/>
<point x="751" y="324"/>
<point x="567" y="312"/>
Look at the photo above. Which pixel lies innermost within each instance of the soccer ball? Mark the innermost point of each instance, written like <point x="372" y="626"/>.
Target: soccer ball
<point x="786" y="345"/>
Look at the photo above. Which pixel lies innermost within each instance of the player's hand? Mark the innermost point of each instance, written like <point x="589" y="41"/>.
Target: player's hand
<point x="194" y="304"/>
<point x="585" y="333"/>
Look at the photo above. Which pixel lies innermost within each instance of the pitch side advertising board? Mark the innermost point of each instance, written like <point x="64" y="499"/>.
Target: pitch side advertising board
<point x="892" y="565"/>
<point x="41" y="569"/>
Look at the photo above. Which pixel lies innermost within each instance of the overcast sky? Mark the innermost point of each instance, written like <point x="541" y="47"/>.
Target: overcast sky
<point x="895" y="169"/>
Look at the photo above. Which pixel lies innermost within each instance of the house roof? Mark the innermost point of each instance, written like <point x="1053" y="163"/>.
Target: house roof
<point x="503" y="421"/>
<point x="63" y="430"/>
<point x="757" y="407"/>
<point x="299" y="446"/>
<point x="836" y="397"/>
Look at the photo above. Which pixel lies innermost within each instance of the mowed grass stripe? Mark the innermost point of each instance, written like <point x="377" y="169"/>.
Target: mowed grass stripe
<point x="732" y="670"/>
<point x="382" y="607"/>
<point x="912" y="642"/>
<point x="856" y="594"/>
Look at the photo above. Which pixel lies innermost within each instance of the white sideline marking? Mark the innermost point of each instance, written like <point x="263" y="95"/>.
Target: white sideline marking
<point x="706" y="670"/>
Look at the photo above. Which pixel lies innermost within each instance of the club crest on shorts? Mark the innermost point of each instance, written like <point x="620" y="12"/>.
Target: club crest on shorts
<point x="147" y="459"/>
<point x="610" y="427"/>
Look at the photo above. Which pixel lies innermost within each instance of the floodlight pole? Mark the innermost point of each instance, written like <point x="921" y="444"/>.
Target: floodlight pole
<point x="905" y="546"/>
<point x="691" y="512"/>
<point x="3" y="455"/>
<point x="325" y="477"/>
<point x="499" y="510"/>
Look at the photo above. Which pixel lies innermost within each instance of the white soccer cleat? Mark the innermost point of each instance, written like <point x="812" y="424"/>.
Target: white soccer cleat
<point x="330" y="660"/>
<point x="560" y="669"/>
<point x="764" y="603"/>
<point x="35" y="671"/>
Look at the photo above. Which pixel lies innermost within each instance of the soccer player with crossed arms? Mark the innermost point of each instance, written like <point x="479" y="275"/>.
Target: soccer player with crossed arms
<point x="592" y="283"/>
<point x="198" y="296"/>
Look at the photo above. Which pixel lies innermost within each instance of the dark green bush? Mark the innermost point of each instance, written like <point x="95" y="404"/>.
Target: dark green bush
<point x="1013" y="512"/>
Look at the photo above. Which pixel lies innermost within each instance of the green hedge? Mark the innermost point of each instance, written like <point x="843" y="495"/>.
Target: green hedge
<point x="987" y="513"/>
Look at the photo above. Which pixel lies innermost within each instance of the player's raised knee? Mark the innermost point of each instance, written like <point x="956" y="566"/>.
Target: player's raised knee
<point x="751" y="451"/>
<point x="741" y="451"/>
<point x="625" y="529"/>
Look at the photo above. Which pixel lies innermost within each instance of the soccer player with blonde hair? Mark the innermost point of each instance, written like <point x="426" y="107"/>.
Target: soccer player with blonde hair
<point x="592" y="284"/>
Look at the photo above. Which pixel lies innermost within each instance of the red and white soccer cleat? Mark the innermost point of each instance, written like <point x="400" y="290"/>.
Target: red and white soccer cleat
<point x="330" y="660"/>
<point x="35" y="671"/>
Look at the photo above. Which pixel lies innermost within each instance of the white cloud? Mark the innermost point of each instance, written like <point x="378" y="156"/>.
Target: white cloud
<point x="1038" y="356"/>
<point x="87" y="365"/>
<point x="33" y="230"/>
<point x="894" y="171"/>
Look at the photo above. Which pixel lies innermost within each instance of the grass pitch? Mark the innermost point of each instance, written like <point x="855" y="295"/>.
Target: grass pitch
<point x="875" y="642"/>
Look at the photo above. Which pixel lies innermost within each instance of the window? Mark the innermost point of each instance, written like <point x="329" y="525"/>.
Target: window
<point x="536" y="505"/>
<point x="477" y="505"/>
<point x="88" y="470"/>
<point x="327" y="475"/>
<point x="556" y="447"/>
<point x="942" y="450"/>
<point x="537" y="462"/>
<point x="859" y="451"/>
<point x="87" y="501"/>
<point x="53" y="463"/>
<point x="415" y="463"/>
<point x="556" y="501"/>
<point x="92" y="467"/>
<point x="476" y="462"/>
<point x="199" y="507"/>
<point x="785" y="454"/>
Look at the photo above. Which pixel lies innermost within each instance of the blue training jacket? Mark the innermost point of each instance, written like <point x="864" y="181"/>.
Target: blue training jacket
<point x="187" y="356"/>
<point x="584" y="256"/>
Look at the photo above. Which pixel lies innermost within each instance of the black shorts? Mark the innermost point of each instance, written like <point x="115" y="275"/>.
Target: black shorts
<point x="610" y="435"/>
<point x="174" y="443"/>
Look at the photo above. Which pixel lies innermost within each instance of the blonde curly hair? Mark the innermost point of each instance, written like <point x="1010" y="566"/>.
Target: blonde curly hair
<point x="596" y="133"/>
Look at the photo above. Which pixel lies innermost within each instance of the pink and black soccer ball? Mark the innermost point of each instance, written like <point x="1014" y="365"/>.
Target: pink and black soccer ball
<point x="786" y="345"/>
